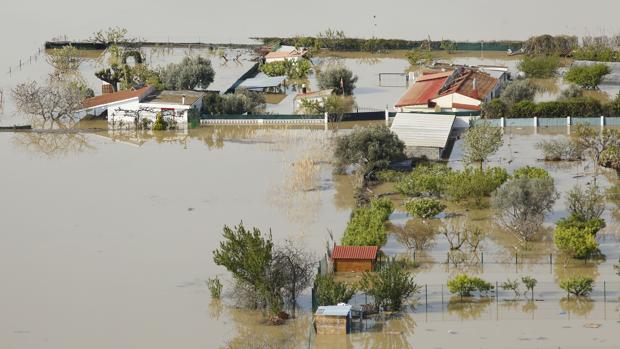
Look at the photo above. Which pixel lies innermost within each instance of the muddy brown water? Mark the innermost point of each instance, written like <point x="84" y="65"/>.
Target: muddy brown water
<point x="107" y="241"/>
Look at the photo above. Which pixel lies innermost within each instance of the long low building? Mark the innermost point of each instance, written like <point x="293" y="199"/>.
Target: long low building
<point x="425" y="135"/>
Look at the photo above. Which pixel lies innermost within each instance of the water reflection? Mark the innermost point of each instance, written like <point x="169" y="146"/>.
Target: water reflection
<point x="468" y="309"/>
<point x="580" y="306"/>
<point x="52" y="143"/>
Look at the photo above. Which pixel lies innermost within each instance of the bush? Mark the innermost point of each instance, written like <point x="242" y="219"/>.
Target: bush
<point x="529" y="283"/>
<point x="573" y="91"/>
<point x="523" y="109"/>
<point x="337" y="77"/>
<point x="464" y="285"/>
<point x="610" y="157"/>
<point x="192" y="72"/>
<point x="419" y="56"/>
<point x="579" y="286"/>
<point x="424" y="208"/>
<point x="557" y="150"/>
<point x="370" y="148"/>
<point x="531" y="172"/>
<point x="587" y="76"/>
<point x="539" y="66"/>
<point x="389" y="286"/>
<point x="575" y="242"/>
<point x="331" y="292"/>
<point x="586" y="204"/>
<point x="367" y="224"/>
<point x="517" y="91"/>
<point x="591" y="226"/>
<point x="292" y="69"/>
<point x="215" y="287"/>
<point x="474" y="183"/>
<point x="425" y="179"/>
<point x="598" y="53"/>
<point x="481" y="141"/>
<point x="494" y="109"/>
<point x="160" y="124"/>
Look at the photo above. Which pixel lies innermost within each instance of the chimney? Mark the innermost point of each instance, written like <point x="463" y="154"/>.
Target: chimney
<point x="106" y="88"/>
<point x="183" y="99"/>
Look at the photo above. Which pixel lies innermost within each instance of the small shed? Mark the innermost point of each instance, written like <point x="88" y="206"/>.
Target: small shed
<point x="424" y="135"/>
<point x="264" y="84"/>
<point x="333" y="319"/>
<point x="354" y="258"/>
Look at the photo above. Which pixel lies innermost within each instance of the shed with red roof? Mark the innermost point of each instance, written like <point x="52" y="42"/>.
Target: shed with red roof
<point x="354" y="258"/>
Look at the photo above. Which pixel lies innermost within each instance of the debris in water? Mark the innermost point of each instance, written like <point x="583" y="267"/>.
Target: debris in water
<point x="591" y="325"/>
<point x="451" y="331"/>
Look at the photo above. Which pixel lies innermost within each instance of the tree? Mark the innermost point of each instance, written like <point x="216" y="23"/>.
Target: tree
<point x="334" y="106"/>
<point x="587" y="76"/>
<point x="215" y="287"/>
<point x="529" y="283"/>
<point x="610" y="157"/>
<point x="64" y="60"/>
<point x="579" y="286"/>
<point x="390" y="286"/>
<point x="522" y="204"/>
<point x="557" y="150"/>
<point x="561" y="45"/>
<point x="425" y="179"/>
<point x="481" y="141"/>
<point x="518" y="91"/>
<point x="369" y="148"/>
<point x="473" y="183"/>
<point x="419" y="56"/>
<point x="575" y="242"/>
<point x="531" y="172"/>
<point x="331" y="292"/>
<point x="293" y="69"/>
<point x="586" y="204"/>
<point x="247" y="255"/>
<point x="494" y="109"/>
<point x="594" y="142"/>
<point x="424" y="208"/>
<point x="338" y="78"/>
<point x="59" y="100"/>
<point x="539" y="66"/>
<point x="112" y="36"/>
<point x="448" y="45"/>
<point x="296" y="267"/>
<point x="194" y="72"/>
<point x="464" y="285"/>
<point x="367" y="224"/>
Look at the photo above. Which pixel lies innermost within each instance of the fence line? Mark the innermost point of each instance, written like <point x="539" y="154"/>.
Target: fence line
<point x="551" y="122"/>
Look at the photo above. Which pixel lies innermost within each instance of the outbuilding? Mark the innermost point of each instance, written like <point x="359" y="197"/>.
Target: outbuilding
<point x="354" y="258"/>
<point x="333" y="319"/>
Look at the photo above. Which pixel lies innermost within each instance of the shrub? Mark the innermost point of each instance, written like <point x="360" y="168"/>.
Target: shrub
<point x="579" y="286"/>
<point x="591" y="226"/>
<point x="474" y="183"/>
<point x="481" y="141"/>
<point x="419" y="56"/>
<point x="390" y="175"/>
<point x="529" y="283"/>
<point x="338" y="78"/>
<point x="610" y="157"/>
<point x="517" y="91"/>
<point x="370" y="148"/>
<point x="587" y="76"/>
<point x="425" y="179"/>
<point x="575" y="242"/>
<point x="511" y="285"/>
<point x="598" y="53"/>
<point x="293" y="69"/>
<point x="523" y="109"/>
<point x="531" y="172"/>
<point x="586" y="204"/>
<point x="215" y="287"/>
<point x="367" y="224"/>
<point x="539" y="66"/>
<point x="331" y="292"/>
<point x="192" y="72"/>
<point x="160" y="124"/>
<point x="556" y="150"/>
<point x="573" y="91"/>
<point x="494" y="109"/>
<point x="464" y="285"/>
<point x="389" y="286"/>
<point x="424" y="208"/>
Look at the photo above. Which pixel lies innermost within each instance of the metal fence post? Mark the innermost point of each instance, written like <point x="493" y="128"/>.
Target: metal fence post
<point x="426" y="297"/>
<point x="482" y="257"/>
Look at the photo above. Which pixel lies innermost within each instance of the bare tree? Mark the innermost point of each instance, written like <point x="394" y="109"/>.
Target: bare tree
<point x="57" y="101"/>
<point x="64" y="60"/>
<point x="296" y="268"/>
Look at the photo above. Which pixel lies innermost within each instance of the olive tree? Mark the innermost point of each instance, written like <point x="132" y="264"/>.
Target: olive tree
<point x="594" y="142"/>
<point x="586" y="203"/>
<point x="522" y="204"/>
<point x="337" y="77"/>
<point x="331" y="292"/>
<point x="520" y="90"/>
<point x="193" y="72"/>
<point x="481" y="141"/>
<point x="390" y="286"/>
<point x="59" y="100"/>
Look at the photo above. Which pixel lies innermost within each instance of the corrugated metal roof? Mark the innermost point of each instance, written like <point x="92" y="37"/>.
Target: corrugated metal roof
<point x="423" y="130"/>
<point x="262" y="82"/>
<point x="424" y="89"/>
<point x="334" y="310"/>
<point x="355" y="252"/>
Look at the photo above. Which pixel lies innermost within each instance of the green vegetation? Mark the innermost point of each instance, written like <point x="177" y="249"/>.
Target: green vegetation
<point x="425" y="179"/>
<point x="331" y="292"/>
<point x="572" y="91"/>
<point x="128" y="76"/>
<point x="160" y="124"/>
<point x="579" y="286"/>
<point x="464" y="285"/>
<point x="215" y="287"/>
<point x="481" y="141"/>
<point x="539" y="66"/>
<point x="292" y="69"/>
<point x="593" y="142"/>
<point x="575" y="242"/>
<point x="529" y="283"/>
<point x="390" y="175"/>
<point x="557" y="150"/>
<point x="424" y="208"/>
<point x="597" y="53"/>
<point x="561" y="45"/>
<point x="369" y="148"/>
<point x="494" y="109"/>
<point x="334" y="106"/>
<point x="419" y="56"/>
<point x="586" y="204"/>
<point x="367" y="224"/>
<point x="522" y="204"/>
<point x="610" y="157"/>
<point x="587" y="76"/>
<point x="511" y="285"/>
<point x="193" y="72"/>
<point x="518" y="91"/>
<point x="390" y="286"/>
<point x="576" y="107"/>
<point x="241" y="102"/>
<point x="337" y="77"/>
<point x="531" y="172"/>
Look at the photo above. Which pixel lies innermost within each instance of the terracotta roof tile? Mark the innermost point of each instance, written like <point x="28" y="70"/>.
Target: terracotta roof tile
<point x="115" y="97"/>
<point x="464" y="85"/>
<point x="355" y="252"/>
<point x="423" y="91"/>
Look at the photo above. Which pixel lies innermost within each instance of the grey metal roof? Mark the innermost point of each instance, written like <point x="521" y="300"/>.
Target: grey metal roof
<point x="423" y="130"/>
<point x="262" y="82"/>
<point x="334" y="310"/>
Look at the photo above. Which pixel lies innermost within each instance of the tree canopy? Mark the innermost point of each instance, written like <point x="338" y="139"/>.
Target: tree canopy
<point x="194" y="72"/>
<point x="337" y="77"/>
<point x="481" y="141"/>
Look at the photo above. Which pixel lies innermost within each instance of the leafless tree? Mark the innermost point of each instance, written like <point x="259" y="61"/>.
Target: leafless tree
<point x="296" y="267"/>
<point x="66" y="59"/>
<point x="58" y="100"/>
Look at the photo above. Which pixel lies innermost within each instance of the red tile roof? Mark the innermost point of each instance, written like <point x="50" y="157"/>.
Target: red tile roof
<point x="355" y="252"/>
<point x="424" y="89"/>
<point x="465" y="106"/>
<point x="115" y="97"/>
<point x="464" y="85"/>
